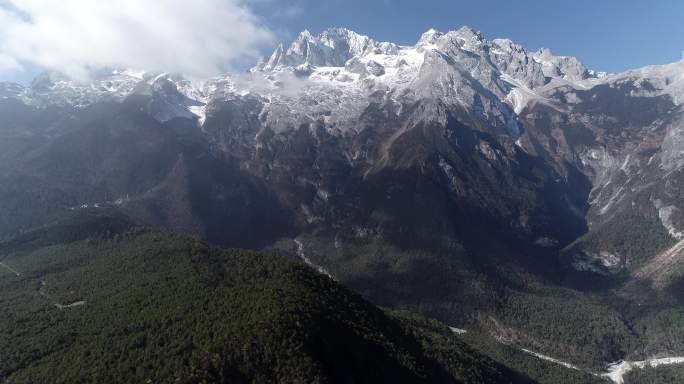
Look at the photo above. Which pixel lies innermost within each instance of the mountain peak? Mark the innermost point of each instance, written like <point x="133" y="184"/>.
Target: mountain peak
<point x="471" y="39"/>
<point x="567" y="67"/>
<point x="466" y="31"/>
<point x="332" y="47"/>
<point x="339" y="32"/>
<point x="346" y="39"/>
<point x="430" y="37"/>
<point x="544" y="52"/>
<point x="305" y="35"/>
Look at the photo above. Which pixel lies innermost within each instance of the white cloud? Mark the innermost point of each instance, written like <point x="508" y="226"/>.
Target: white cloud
<point x="293" y="11"/>
<point x="9" y="64"/>
<point x="195" y="37"/>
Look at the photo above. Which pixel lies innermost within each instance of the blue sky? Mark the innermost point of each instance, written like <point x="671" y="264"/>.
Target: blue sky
<point x="170" y="35"/>
<point x="608" y="35"/>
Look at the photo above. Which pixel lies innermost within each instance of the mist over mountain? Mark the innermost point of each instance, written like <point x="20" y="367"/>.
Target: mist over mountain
<point x="517" y="195"/>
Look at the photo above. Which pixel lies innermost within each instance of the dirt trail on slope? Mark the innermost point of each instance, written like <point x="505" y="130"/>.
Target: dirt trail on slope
<point x="18" y="274"/>
<point x="58" y="305"/>
<point x="662" y="265"/>
<point x="307" y="261"/>
<point x="41" y="291"/>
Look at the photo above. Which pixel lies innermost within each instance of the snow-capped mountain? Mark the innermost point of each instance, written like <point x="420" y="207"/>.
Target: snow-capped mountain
<point x="455" y="67"/>
<point x="333" y="80"/>
<point x="475" y="162"/>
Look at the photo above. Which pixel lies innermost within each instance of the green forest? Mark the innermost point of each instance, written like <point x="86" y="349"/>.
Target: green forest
<point x="94" y="299"/>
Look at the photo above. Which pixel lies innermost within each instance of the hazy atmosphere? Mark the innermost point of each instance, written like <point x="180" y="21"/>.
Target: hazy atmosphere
<point x="296" y="191"/>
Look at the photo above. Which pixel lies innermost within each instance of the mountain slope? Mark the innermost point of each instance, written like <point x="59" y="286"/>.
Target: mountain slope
<point x="494" y="188"/>
<point x="136" y="305"/>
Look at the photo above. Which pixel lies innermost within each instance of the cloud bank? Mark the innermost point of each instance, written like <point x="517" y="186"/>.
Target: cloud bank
<point x="195" y="37"/>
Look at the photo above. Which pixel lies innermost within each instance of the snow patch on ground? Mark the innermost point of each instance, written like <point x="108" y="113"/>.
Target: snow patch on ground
<point x="614" y="198"/>
<point x="57" y="304"/>
<point x="41" y="291"/>
<point x="551" y="359"/>
<point x="307" y="261"/>
<point x="661" y="264"/>
<point x="520" y="95"/>
<point x="625" y="163"/>
<point x="519" y="144"/>
<point x="665" y="215"/>
<point x="106" y="204"/>
<point x="18" y="274"/>
<point x="603" y="263"/>
<point x="200" y="111"/>
<point x="449" y="173"/>
<point x="540" y="356"/>
<point x="458" y="331"/>
<point x="617" y="371"/>
<point x="72" y="305"/>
